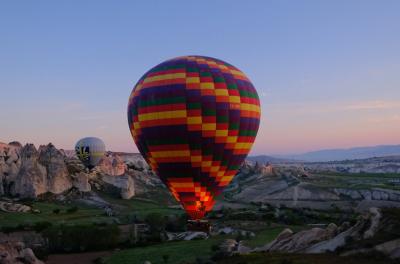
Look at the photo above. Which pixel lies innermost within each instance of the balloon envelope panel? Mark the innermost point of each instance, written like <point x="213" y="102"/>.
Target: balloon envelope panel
<point x="194" y="119"/>
<point x="90" y="150"/>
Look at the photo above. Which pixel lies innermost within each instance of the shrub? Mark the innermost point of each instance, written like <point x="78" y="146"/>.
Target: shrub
<point x="81" y="237"/>
<point x="40" y="226"/>
<point x="165" y="258"/>
<point x="56" y="211"/>
<point x="156" y="221"/>
<point x="72" y="209"/>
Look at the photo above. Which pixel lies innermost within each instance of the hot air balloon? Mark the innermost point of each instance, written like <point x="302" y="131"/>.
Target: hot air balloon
<point x="194" y="119"/>
<point x="90" y="150"/>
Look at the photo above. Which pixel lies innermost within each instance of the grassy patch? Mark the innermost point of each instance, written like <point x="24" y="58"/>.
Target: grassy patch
<point x="178" y="252"/>
<point x="139" y="206"/>
<point x="82" y="215"/>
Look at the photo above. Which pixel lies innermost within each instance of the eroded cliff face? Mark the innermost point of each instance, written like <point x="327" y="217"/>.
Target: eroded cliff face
<point x="10" y="163"/>
<point x="112" y="164"/>
<point x="31" y="178"/>
<point x="27" y="172"/>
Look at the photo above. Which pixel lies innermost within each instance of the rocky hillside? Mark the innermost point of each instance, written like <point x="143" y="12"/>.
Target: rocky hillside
<point x="376" y="232"/>
<point x="296" y="186"/>
<point x="388" y="164"/>
<point x="27" y="172"/>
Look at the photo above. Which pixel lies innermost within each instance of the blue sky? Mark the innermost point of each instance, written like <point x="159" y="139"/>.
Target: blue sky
<point x="327" y="72"/>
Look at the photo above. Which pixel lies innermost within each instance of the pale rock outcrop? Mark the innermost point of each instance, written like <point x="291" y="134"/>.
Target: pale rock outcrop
<point x="298" y="241"/>
<point x="40" y="172"/>
<point x="263" y="169"/>
<point x="81" y="182"/>
<point x="17" y="253"/>
<point x="135" y="161"/>
<point x="58" y="178"/>
<point x="112" y="164"/>
<point x="124" y="184"/>
<point x="375" y="217"/>
<point x="366" y="227"/>
<point x="390" y="248"/>
<point x="31" y="179"/>
<point x="9" y="164"/>
<point x="14" y="207"/>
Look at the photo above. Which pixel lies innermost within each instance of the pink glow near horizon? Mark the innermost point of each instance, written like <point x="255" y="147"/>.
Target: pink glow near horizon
<point x="285" y="129"/>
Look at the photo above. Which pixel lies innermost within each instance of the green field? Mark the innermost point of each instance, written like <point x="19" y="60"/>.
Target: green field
<point x="139" y="206"/>
<point x="178" y="252"/>
<point x="83" y="215"/>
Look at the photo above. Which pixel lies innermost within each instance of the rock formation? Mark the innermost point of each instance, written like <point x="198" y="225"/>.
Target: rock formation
<point x="112" y="164"/>
<point x="31" y="179"/>
<point x="17" y="253"/>
<point x="9" y="164"/>
<point x="333" y="238"/>
<point x="123" y="185"/>
<point x="28" y="172"/>
<point x="41" y="171"/>
<point x="13" y="207"/>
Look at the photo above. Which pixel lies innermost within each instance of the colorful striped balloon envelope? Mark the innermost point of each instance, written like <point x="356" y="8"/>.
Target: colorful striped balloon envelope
<point x="194" y="119"/>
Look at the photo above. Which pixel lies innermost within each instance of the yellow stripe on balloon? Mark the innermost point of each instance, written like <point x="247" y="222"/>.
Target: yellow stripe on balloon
<point x="250" y="107"/>
<point x="209" y="127"/>
<point x="195" y="158"/>
<point x="221" y="133"/>
<point x="243" y="145"/>
<point x="192" y="80"/>
<point x="221" y="92"/>
<point x="207" y="86"/>
<point x="163" y="77"/>
<point x="235" y="72"/>
<point x="234" y="99"/>
<point x="162" y="115"/>
<point x="194" y="120"/>
<point x="170" y="154"/>
<point x="182" y="184"/>
<point x="231" y="139"/>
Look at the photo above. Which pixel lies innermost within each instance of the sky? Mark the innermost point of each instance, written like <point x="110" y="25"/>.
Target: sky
<point x="327" y="72"/>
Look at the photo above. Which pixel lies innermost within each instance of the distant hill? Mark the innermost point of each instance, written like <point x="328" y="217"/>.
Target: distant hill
<point x="346" y="154"/>
<point x="263" y="159"/>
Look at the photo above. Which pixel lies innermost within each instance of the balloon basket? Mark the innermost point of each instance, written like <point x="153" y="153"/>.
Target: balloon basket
<point x="199" y="226"/>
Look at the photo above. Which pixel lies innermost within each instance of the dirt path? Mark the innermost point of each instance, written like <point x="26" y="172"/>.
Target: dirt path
<point x="77" y="258"/>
